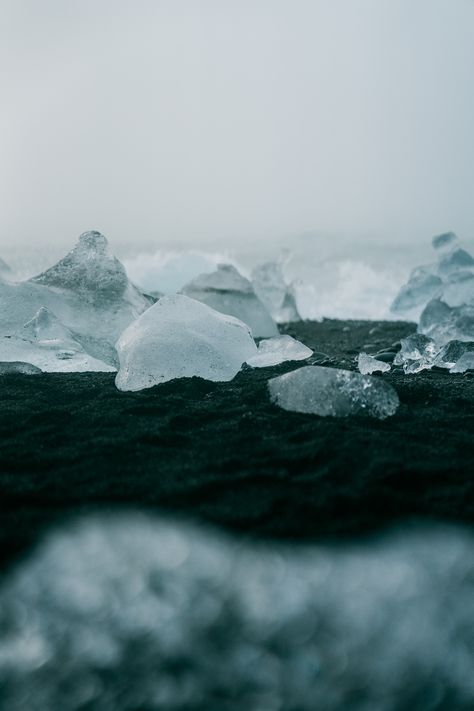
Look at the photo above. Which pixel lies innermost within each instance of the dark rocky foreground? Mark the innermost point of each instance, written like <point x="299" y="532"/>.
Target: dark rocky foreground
<point x="224" y="453"/>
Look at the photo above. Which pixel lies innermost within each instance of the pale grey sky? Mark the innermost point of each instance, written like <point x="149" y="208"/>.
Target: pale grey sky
<point x="209" y="122"/>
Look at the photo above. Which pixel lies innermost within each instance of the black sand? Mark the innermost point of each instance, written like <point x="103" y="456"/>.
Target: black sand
<point x="223" y="452"/>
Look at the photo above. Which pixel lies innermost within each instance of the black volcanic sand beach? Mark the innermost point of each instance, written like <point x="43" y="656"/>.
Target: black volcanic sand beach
<point x="224" y="453"/>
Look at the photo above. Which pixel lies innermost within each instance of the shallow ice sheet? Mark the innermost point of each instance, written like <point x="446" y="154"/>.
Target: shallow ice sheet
<point x="272" y="351"/>
<point x="130" y="612"/>
<point x="333" y="392"/>
<point x="179" y="337"/>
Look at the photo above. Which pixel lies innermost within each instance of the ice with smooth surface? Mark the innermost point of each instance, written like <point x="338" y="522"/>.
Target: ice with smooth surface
<point x="333" y="392"/>
<point x="367" y="364"/>
<point x="455" y="260"/>
<point x="179" y="337"/>
<point x="465" y="362"/>
<point x="88" y="291"/>
<point x="46" y="343"/>
<point x="272" y="351"/>
<point x="417" y="353"/>
<point x="271" y="288"/>
<point x="227" y="291"/>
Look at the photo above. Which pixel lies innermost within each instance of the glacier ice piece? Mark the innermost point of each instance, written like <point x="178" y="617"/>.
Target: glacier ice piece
<point x="465" y="362"/>
<point x="227" y="291"/>
<point x="417" y="353"/>
<point x="179" y="337"/>
<point x="367" y="364"/>
<point x="273" y="351"/>
<point x="444" y="240"/>
<point x="451" y="352"/>
<point x="333" y="392"/>
<point x="421" y="287"/>
<point x="18" y="367"/>
<point x="88" y="291"/>
<point x="444" y="323"/>
<point x="271" y="288"/>
<point x="454" y="261"/>
<point x="458" y="288"/>
<point x="46" y="343"/>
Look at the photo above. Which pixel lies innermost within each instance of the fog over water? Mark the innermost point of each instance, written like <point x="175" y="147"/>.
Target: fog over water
<point x="341" y="129"/>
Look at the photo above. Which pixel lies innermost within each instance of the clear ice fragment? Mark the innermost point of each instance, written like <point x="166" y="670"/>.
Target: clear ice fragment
<point x="333" y="392"/>
<point x="227" y="291"/>
<point x="417" y="353"/>
<point x="271" y="288"/>
<point x="367" y="364"/>
<point x="465" y="362"/>
<point x="272" y="351"/>
<point x="179" y="337"/>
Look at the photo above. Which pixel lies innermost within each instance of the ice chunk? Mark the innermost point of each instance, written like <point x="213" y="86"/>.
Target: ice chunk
<point x="417" y="353"/>
<point x="278" y="296"/>
<point x="88" y="291"/>
<point x="421" y="287"/>
<point x="227" y="291"/>
<point x="455" y="261"/>
<point x="18" y="367"/>
<point x="450" y="353"/>
<point x="46" y="343"/>
<point x="458" y="288"/>
<point x="445" y="240"/>
<point x="445" y="324"/>
<point x="466" y="362"/>
<point x="367" y="364"/>
<point x="272" y="351"/>
<point x="179" y="337"/>
<point x="333" y="392"/>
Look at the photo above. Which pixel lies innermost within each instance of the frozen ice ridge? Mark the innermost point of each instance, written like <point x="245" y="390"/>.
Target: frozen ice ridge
<point x="273" y="351"/>
<point x="179" y="337"/>
<point x="417" y="353"/>
<point x="271" y="288"/>
<point x="333" y="392"/>
<point x="44" y="342"/>
<point x="88" y="291"/>
<point x="227" y="291"/>
<point x="367" y="364"/>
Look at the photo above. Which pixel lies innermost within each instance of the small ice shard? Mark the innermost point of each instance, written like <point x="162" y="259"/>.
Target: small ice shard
<point x="444" y="323"/>
<point x="227" y="291"/>
<point x="421" y="287"/>
<point x="417" y="353"/>
<point x="465" y="362"/>
<point x="179" y="337"/>
<point x="278" y="296"/>
<point x="18" y="367"/>
<point x="333" y="392"/>
<point x="46" y="343"/>
<point x="455" y="261"/>
<point x="445" y="240"/>
<point x="450" y="353"/>
<point x="273" y="351"/>
<point x="367" y="365"/>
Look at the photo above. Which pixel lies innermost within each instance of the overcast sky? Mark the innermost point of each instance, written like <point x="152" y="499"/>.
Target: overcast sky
<point x="207" y="122"/>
